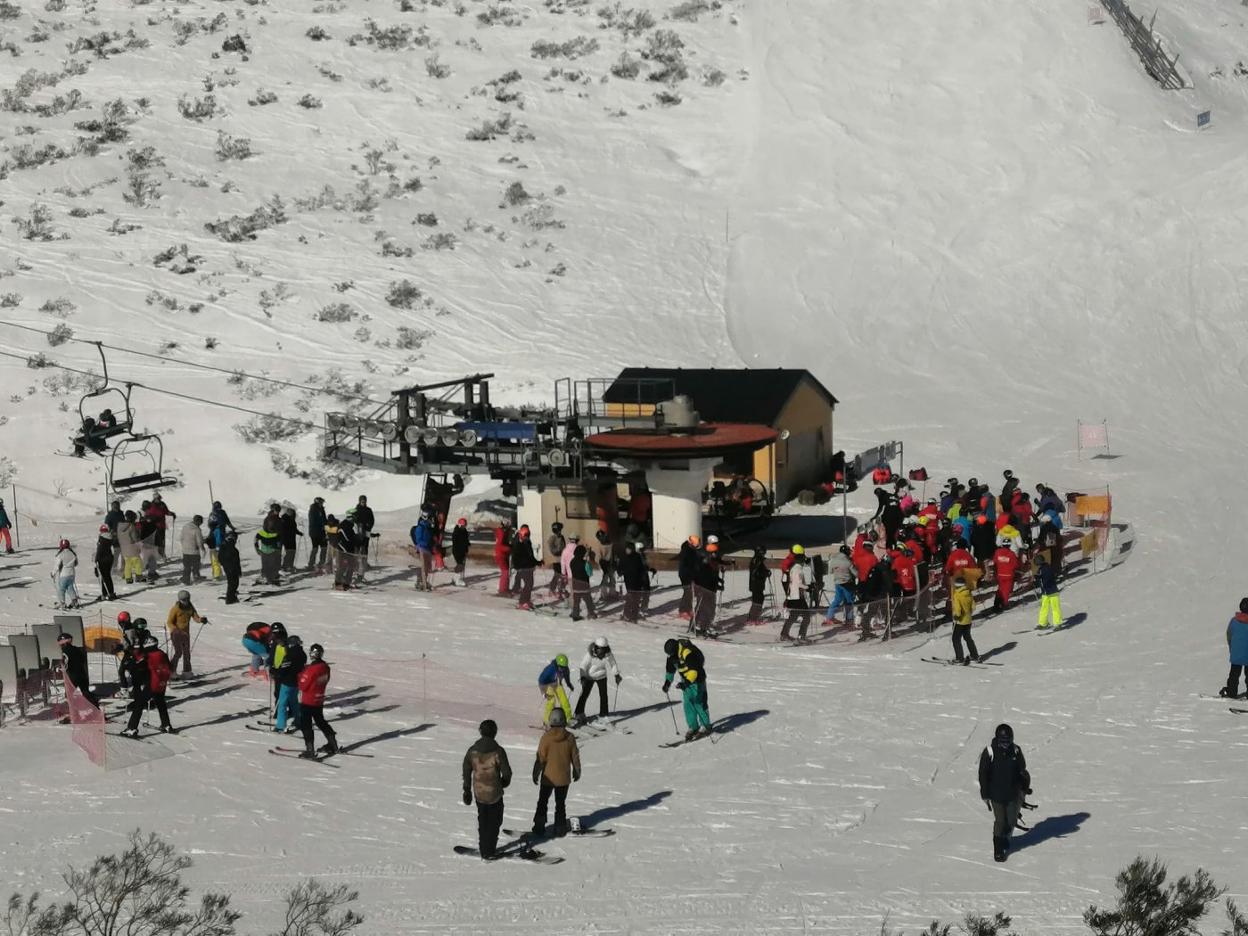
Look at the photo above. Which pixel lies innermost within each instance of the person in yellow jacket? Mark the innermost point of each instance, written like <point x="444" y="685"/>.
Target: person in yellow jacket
<point x="963" y="611"/>
<point x="179" y="626"/>
<point x="550" y="682"/>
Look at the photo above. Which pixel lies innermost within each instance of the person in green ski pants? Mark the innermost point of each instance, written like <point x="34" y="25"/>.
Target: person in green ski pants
<point x="686" y="661"/>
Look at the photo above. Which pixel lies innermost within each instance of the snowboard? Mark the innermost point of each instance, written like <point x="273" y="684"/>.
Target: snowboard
<point x="522" y="854"/>
<point x="591" y="833"/>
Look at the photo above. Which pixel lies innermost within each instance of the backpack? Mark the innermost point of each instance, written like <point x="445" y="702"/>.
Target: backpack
<point x="487" y="784"/>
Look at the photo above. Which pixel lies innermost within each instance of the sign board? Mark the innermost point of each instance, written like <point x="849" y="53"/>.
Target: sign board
<point x="1204" y="119"/>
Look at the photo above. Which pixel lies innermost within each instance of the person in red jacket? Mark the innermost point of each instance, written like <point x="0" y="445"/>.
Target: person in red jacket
<point x="864" y="560"/>
<point x="1005" y="565"/>
<point x="151" y="673"/>
<point x="159" y="511"/>
<point x="502" y="557"/>
<point x="313" y="679"/>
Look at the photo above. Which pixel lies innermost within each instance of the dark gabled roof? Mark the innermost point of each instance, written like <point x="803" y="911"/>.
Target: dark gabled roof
<point x="747" y="395"/>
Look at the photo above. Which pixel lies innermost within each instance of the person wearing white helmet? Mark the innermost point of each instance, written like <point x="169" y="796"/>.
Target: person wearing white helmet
<point x="65" y="574"/>
<point x="596" y="665"/>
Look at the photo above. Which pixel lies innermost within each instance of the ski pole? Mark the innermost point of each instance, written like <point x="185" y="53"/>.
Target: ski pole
<point x="198" y="632"/>
<point x="615" y="707"/>
<point x="675" y="727"/>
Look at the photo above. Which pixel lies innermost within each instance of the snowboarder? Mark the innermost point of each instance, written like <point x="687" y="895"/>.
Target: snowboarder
<point x="841" y="570"/>
<point x="524" y="562"/>
<point x="5" y="526"/>
<point x="179" y="626"/>
<point x="231" y="564"/>
<point x="636" y="581"/>
<point x="687" y="562"/>
<point x="963" y="612"/>
<point x="64" y="574"/>
<point x="1237" y="644"/>
<point x="550" y="681"/>
<point x="74" y="666"/>
<point x="104" y="563"/>
<point x="597" y="664"/>
<point x="317" y="537"/>
<point x="1050" y="600"/>
<point x="555" y="544"/>
<point x="459" y="549"/>
<point x="422" y="540"/>
<point x="312" y="680"/>
<point x="760" y="576"/>
<point x="191" y="540"/>
<point x="686" y="661"/>
<point x="289" y="666"/>
<point x="487" y="773"/>
<point x="796" y="604"/>
<point x="556" y="767"/>
<point x="1003" y="785"/>
<point x="579" y="570"/>
<point x="502" y="557"/>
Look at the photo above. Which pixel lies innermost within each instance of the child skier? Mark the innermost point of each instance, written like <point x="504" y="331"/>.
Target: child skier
<point x="550" y="683"/>
<point x="686" y="661"/>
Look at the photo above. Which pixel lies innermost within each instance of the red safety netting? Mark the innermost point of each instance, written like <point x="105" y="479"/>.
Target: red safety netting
<point x="88" y="725"/>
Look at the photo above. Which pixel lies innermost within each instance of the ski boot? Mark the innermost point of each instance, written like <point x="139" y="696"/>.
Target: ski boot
<point x="168" y="729"/>
<point x="691" y="734"/>
<point x="308" y="753"/>
<point x="329" y="747"/>
<point x="1000" y="848"/>
<point x="129" y="732"/>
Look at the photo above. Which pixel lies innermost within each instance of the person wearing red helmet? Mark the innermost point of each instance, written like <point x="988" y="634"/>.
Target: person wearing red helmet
<point x="64" y="575"/>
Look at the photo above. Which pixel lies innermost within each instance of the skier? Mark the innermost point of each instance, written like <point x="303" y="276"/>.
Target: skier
<point x="159" y="672"/>
<point x="104" y="563"/>
<point x="565" y="562"/>
<point x="231" y="564"/>
<point x="686" y="661"/>
<point x="1050" y="600"/>
<point x="707" y="584"/>
<point x="796" y="604"/>
<point x="636" y="581"/>
<point x="687" y="562"/>
<point x="841" y="569"/>
<point x="1049" y="540"/>
<point x="598" y="663"/>
<point x="64" y="573"/>
<point x="963" y="612"/>
<point x="147" y="682"/>
<point x="579" y="570"/>
<point x="1005" y="565"/>
<point x="219" y="526"/>
<point x="312" y="680"/>
<point x="288" y="533"/>
<point x="362" y="515"/>
<point x="556" y="767"/>
<point x="179" y="626"/>
<point x="192" y="542"/>
<point x="555" y="544"/>
<point x="255" y="642"/>
<point x="291" y="664"/>
<point x="1237" y="644"/>
<point x="128" y="547"/>
<point x="268" y="546"/>
<point x="502" y="557"/>
<point x="486" y="774"/>
<point x="459" y="549"/>
<point x="760" y="575"/>
<point x="5" y="526"/>
<point x="422" y="540"/>
<point x="550" y="681"/>
<point x="74" y="666"/>
<point x="316" y="536"/>
<point x="524" y="562"/>
<point x="1003" y="785"/>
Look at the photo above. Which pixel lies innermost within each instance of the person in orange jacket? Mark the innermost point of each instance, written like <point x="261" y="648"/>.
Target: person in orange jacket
<point x="502" y="557"/>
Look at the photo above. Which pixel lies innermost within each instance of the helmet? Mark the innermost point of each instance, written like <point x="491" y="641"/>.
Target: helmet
<point x="315" y="652"/>
<point x="561" y="660"/>
<point x="1243" y="605"/>
<point x="1004" y="732"/>
<point x="574" y="538"/>
<point x="294" y="641"/>
<point x="184" y="595"/>
<point x="488" y="728"/>
<point x="64" y="638"/>
<point x="123" y="617"/>
<point x="278" y="628"/>
<point x="1007" y="473"/>
<point x="558" y="718"/>
<point x="63" y="544"/>
<point x="462" y="521"/>
<point x="104" y="528"/>
<point x="139" y="624"/>
<point x="712" y="539"/>
<point x="669" y="646"/>
<point x="150" y="641"/>
<point x="844" y="550"/>
<point x="556" y="527"/>
<point x="798" y="549"/>
<point x="602" y="642"/>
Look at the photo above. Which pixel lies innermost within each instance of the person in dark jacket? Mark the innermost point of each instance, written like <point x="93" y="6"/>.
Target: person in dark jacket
<point x="487" y="773"/>
<point x="524" y="562"/>
<point x="289" y="664"/>
<point x="459" y="549"/>
<point x="760" y="575"/>
<point x="1003" y="784"/>
<point x="580" y="570"/>
<point x="363" y="516"/>
<point x="114" y="516"/>
<point x="231" y="564"/>
<point x="983" y="541"/>
<point x="74" y="666"/>
<point x="636" y="582"/>
<point x="288" y="534"/>
<point x="555" y="544"/>
<point x="104" y="563"/>
<point x="707" y="583"/>
<point x="344" y="562"/>
<point x="687" y="562"/>
<point x="1050" y="599"/>
<point x="316" y="536"/>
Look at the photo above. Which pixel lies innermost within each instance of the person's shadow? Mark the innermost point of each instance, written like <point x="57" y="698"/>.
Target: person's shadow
<point x="1049" y="828"/>
<point x="606" y="813"/>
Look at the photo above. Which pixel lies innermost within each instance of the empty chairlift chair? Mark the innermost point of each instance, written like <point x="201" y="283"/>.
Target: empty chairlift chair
<point x="137" y="464"/>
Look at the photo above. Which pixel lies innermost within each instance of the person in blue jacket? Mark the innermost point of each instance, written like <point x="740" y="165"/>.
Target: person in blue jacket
<point x="1237" y="643"/>
<point x="422" y="539"/>
<point x="550" y="682"/>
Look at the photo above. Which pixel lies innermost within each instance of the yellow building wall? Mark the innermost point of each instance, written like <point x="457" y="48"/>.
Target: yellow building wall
<point x="800" y="459"/>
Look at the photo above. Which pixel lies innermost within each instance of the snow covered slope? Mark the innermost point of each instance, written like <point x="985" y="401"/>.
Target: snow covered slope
<point x="976" y="223"/>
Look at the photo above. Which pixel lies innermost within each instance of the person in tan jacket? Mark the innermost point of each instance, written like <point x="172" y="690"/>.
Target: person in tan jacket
<point x="557" y="766"/>
<point x="486" y="774"/>
<point x="179" y="626"/>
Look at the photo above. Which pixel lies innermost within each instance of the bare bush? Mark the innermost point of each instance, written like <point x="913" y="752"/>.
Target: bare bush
<point x="262" y="97"/>
<point x="515" y="195"/>
<point x="60" y="307"/>
<point x="142" y="185"/>
<point x="664" y="49"/>
<point x="338" y="312"/>
<point x="232" y="147"/>
<point x="411" y="339"/>
<point x="572" y="49"/>
<point x="10" y="300"/>
<point x="29" y="156"/>
<point x="435" y="69"/>
<point x="197" y="109"/>
<point x="627" y="67"/>
<point x="426" y="219"/>
<point x="112" y="127"/>
<point x="60" y="334"/>
<point x="270" y="428"/>
<point x="443" y="240"/>
<point x="690" y="10"/>
<point x="631" y="21"/>
<point x="38" y="225"/>
<point x="404" y="294"/>
<point x="240" y="228"/>
<point x="317" y="34"/>
<point x="308" y="102"/>
<point x="490" y="129"/>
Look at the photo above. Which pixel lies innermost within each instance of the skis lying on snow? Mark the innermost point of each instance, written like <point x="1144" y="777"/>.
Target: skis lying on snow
<point x="291" y="753"/>
<point x="523" y="854"/>
<point x="948" y="662"/>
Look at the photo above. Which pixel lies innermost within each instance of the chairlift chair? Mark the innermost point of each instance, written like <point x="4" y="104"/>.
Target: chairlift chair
<point x="146" y="451"/>
<point x="94" y="430"/>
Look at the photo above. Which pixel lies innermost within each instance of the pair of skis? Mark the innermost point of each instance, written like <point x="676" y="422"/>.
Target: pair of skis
<point x="981" y="664"/>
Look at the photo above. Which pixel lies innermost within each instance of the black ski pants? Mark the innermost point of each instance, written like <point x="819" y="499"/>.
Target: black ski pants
<point x="962" y="632"/>
<point x="231" y="586"/>
<point x="314" y="714"/>
<point x="586" y="686"/>
<point x="1232" y="680"/>
<point x="543" y="798"/>
<point x="106" y="581"/>
<point x="489" y="821"/>
<point x="142" y="699"/>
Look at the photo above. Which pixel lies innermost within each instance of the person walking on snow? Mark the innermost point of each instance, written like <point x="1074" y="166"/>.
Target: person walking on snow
<point x="686" y="662"/>
<point x="1004" y="783"/>
<point x="104" y="563"/>
<point x="687" y="562"/>
<point x="312" y="680"/>
<point x="551" y="681"/>
<point x="1237" y="644"/>
<point x="289" y="666"/>
<point x="607" y="590"/>
<point x="963" y="612"/>
<point x="459" y="549"/>
<point x="128" y="547"/>
<point x="288" y="533"/>
<point x="597" y="664"/>
<point x="486" y="774"/>
<point x="65" y="574"/>
<point x="555" y="545"/>
<point x="148" y="673"/>
<point x="636" y="582"/>
<point x="1050" y="600"/>
<point x="317" y="537"/>
<point x="219" y="526"/>
<point x="5" y="525"/>
<point x="524" y="562"/>
<point x="178" y="623"/>
<point x="422" y="540"/>
<point x="796" y="604"/>
<point x="556" y="767"/>
<point x="191" y="539"/>
<point x="231" y="565"/>
<point x="163" y="517"/>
